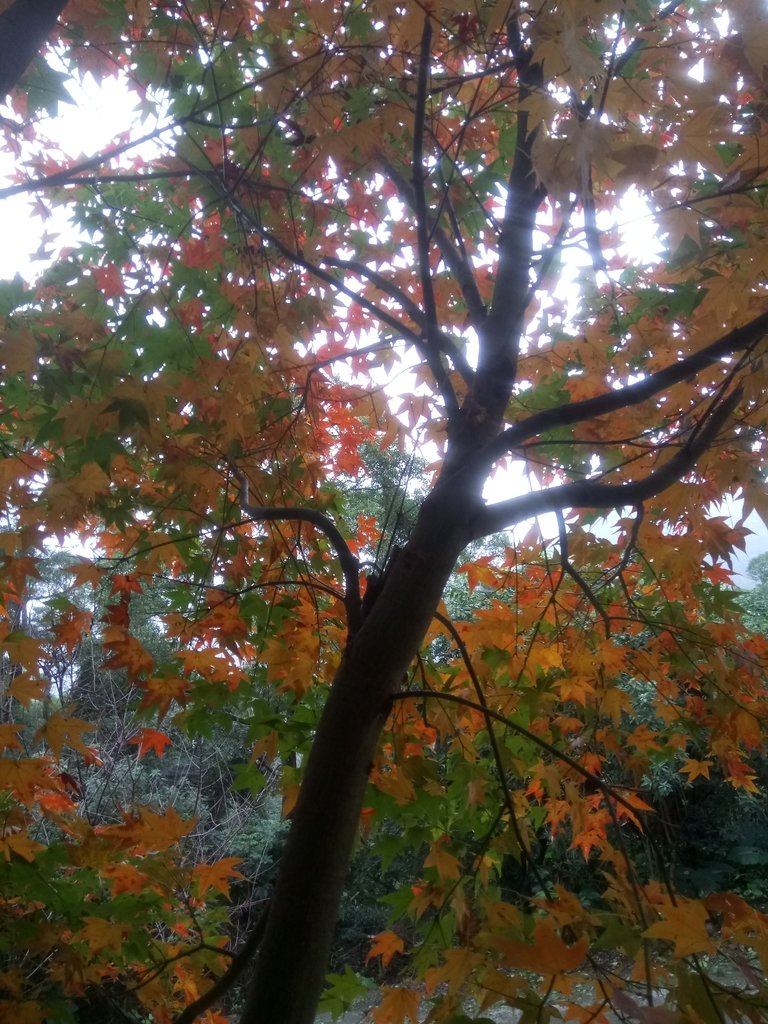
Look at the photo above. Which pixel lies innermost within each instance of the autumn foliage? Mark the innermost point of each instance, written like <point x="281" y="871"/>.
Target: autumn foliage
<point x="524" y="244"/>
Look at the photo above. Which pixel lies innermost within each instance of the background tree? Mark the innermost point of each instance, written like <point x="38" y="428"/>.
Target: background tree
<point x="350" y="228"/>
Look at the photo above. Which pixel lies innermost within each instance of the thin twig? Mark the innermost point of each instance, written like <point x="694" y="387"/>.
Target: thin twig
<point x="570" y="569"/>
<point x="350" y="566"/>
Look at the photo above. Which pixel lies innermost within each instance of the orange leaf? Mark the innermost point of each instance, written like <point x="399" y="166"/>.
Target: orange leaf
<point x="684" y="924"/>
<point x="216" y="875"/>
<point x="25" y="688"/>
<point x="151" y="739"/>
<point x="9" y="736"/>
<point x="385" y="945"/>
<point x="446" y="865"/>
<point x="86" y="571"/>
<point x="693" y="768"/>
<point x="547" y="954"/>
<point x="101" y="934"/>
<point x="396" y="1005"/>
<point x="20" y="844"/>
<point x="25" y="776"/>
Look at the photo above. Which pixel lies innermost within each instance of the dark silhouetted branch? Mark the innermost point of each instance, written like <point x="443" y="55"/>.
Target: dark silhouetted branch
<point x="591" y="494"/>
<point x="633" y="394"/>
<point x="349" y="565"/>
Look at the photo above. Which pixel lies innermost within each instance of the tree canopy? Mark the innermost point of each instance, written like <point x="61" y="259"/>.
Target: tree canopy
<point x="340" y="228"/>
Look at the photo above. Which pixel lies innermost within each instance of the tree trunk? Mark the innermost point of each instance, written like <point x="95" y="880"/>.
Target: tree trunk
<point x="24" y="29"/>
<point x="292" y="959"/>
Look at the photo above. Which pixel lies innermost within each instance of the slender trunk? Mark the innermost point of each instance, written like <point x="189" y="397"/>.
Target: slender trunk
<point x="293" y="956"/>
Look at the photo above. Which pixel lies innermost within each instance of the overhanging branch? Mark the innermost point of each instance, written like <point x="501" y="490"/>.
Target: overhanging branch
<point x="591" y="494"/>
<point x="633" y="394"/>
<point x="349" y="565"/>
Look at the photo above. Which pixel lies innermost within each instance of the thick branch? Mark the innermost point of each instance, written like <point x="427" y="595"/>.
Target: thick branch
<point x="501" y="333"/>
<point x="349" y="564"/>
<point x="590" y="494"/>
<point x="633" y="394"/>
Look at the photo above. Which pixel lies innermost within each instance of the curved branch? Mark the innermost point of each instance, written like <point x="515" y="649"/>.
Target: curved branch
<point x="633" y="394"/>
<point x="570" y="569"/>
<point x="350" y="567"/>
<point x="378" y="281"/>
<point x="223" y="984"/>
<point x="591" y="494"/>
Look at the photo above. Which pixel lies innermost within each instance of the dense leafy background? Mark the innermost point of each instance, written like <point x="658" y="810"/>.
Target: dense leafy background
<point x="302" y="268"/>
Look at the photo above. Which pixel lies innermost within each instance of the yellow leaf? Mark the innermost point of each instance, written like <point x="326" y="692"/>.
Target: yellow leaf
<point x="101" y="934"/>
<point x="396" y="1005"/>
<point x="20" y="844"/>
<point x="63" y="730"/>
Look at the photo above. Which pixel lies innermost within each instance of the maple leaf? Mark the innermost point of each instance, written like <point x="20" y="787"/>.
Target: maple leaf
<point x="21" y="845"/>
<point x="386" y="945"/>
<point x="147" y="831"/>
<point x="69" y="630"/>
<point x="9" y="736"/>
<point x="685" y="924"/>
<point x="396" y="1006"/>
<point x="150" y="739"/>
<point x="125" y="583"/>
<point x="25" y="776"/>
<point x="161" y="691"/>
<point x="446" y="865"/>
<point x="125" y="878"/>
<point x="548" y="954"/>
<point x="693" y="768"/>
<point x="217" y="875"/>
<point x="100" y="933"/>
<point x="85" y="571"/>
<point x="61" y="730"/>
<point x="109" y="280"/>
<point x="458" y="965"/>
